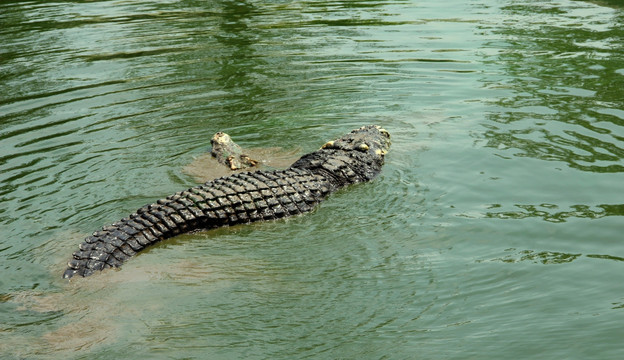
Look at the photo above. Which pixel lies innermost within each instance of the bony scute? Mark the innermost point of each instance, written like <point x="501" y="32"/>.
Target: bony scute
<point x="328" y="145"/>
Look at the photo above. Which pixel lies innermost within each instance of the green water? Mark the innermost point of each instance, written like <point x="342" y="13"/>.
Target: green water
<point x="494" y="231"/>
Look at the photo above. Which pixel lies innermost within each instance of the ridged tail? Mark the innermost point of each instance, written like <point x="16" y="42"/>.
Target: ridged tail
<point x="240" y="198"/>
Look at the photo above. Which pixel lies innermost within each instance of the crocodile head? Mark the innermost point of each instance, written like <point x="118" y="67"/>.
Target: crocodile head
<point x="354" y="157"/>
<point x="371" y="140"/>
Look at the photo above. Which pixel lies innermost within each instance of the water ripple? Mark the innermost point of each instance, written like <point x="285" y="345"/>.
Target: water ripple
<point x="491" y="221"/>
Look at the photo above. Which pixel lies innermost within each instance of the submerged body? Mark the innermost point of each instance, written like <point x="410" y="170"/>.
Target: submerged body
<point x="239" y="198"/>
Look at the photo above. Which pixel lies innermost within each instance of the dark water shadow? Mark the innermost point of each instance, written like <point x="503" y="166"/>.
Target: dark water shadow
<point x="545" y="257"/>
<point x="617" y="4"/>
<point x="551" y="212"/>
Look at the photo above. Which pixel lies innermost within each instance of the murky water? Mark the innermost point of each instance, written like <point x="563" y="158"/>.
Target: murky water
<point x="494" y="231"/>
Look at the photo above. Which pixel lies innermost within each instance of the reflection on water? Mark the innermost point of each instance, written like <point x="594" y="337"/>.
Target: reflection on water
<point x="541" y="257"/>
<point x="546" y="257"/>
<point x="613" y="3"/>
<point x="492" y="231"/>
<point x="551" y="213"/>
<point x="561" y="106"/>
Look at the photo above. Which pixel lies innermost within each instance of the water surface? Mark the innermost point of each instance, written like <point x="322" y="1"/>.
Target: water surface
<point x="493" y="231"/>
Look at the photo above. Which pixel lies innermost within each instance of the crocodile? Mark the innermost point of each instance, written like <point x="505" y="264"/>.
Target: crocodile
<point x="240" y="198"/>
<point x="229" y="153"/>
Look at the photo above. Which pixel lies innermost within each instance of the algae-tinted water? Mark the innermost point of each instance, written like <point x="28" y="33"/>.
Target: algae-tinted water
<point x="494" y="231"/>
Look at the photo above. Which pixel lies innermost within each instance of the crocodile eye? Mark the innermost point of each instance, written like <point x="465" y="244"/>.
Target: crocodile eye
<point x="362" y="147"/>
<point x="328" y="145"/>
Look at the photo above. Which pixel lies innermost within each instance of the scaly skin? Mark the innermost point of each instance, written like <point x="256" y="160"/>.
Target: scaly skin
<point x="239" y="198"/>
